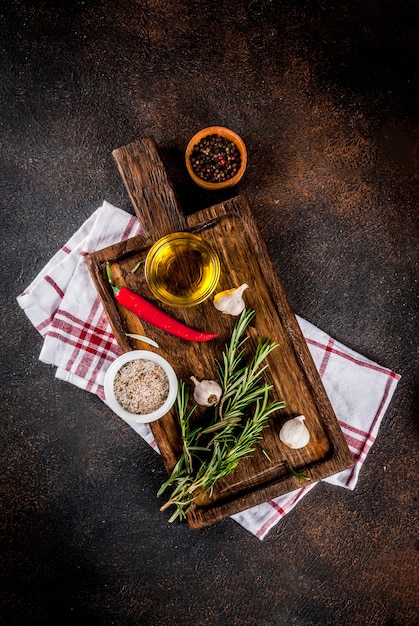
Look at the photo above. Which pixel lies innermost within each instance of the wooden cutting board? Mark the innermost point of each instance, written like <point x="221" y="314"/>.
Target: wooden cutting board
<point x="230" y="228"/>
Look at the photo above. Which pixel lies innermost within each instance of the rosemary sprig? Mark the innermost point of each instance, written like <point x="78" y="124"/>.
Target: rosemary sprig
<point x="238" y="421"/>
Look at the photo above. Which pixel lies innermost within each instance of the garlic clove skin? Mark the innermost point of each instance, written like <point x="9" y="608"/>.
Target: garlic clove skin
<point x="231" y="301"/>
<point x="206" y="392"/>
<point x="294" y="433"/>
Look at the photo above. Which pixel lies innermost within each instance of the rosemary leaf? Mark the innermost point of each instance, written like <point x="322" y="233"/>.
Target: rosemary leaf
<point x="295" y="473"/>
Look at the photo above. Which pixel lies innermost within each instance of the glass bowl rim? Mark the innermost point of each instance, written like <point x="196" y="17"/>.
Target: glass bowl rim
<point x="181" y="301"/>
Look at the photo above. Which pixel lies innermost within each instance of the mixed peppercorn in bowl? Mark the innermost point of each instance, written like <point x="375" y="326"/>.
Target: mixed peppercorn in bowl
<point x="216" y="157"/>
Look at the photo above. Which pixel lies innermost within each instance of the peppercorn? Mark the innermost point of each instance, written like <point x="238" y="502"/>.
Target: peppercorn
<point x="215" y="159"/>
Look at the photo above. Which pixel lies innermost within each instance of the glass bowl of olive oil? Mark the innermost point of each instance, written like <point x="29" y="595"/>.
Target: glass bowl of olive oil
<point x="182" y="269"/>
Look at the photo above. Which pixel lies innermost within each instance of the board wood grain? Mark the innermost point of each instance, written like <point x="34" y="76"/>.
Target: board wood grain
<point x="230" y="228"/>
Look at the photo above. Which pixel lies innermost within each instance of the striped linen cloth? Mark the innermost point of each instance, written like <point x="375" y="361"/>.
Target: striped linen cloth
<point x="63" y="306"/>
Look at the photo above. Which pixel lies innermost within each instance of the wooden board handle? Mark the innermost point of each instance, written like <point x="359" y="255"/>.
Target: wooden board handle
<point x="151" y="192"/>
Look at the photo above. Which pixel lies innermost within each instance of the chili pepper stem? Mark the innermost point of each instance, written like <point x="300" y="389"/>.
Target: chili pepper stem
<point x="115" y="288"/>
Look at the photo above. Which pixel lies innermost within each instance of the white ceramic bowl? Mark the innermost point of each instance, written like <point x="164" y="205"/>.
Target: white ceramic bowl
<point x="110" y="393"/>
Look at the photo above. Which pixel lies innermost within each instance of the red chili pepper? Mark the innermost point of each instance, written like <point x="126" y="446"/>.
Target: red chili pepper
<point x="155" y="316"/>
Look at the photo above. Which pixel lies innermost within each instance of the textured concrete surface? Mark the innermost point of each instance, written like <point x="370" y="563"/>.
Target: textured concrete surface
<point x="324" y="94"/>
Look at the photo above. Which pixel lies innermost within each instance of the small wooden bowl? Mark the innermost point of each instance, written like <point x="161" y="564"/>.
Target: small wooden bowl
<point x="227" y="134"/>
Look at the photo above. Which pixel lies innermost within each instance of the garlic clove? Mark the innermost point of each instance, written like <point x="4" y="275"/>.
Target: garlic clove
<point x="206" y="392"/>
<point x="231" y="301"/>
<point x="294" y="433"/>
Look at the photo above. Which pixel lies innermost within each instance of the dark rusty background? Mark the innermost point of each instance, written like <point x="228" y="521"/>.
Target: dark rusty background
<point x="324" y="95"/>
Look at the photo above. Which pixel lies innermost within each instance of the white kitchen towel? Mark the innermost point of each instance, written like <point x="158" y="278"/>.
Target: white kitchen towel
<point x="63" y="306"/>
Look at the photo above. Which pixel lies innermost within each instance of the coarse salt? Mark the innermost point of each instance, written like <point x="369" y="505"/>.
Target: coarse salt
<point x="141" y="386"/>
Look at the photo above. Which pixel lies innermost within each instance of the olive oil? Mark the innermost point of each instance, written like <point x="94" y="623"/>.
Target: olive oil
<point x="182" y="269"/>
